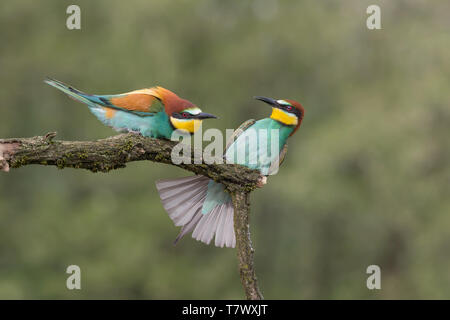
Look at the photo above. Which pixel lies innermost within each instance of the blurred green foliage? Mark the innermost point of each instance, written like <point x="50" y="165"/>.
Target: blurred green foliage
<point x="366" y="179"/>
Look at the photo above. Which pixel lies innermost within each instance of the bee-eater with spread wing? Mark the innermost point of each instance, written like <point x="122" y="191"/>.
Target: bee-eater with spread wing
<point x="203" y="206"/>
<point x="153" y="112"/>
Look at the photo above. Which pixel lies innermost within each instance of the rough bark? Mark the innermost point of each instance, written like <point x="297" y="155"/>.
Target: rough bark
<point x="241" y="203"/>
<point x="114" y="152"/>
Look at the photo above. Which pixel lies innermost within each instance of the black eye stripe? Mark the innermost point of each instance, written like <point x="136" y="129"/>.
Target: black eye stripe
<point x="181" y="115"/>
<point x="292" y="109"/>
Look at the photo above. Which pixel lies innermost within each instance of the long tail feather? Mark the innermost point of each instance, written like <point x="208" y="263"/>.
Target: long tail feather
<point x="122" y="123"/>
<point x="183" y="200"/>
<point x="70" y="91"/>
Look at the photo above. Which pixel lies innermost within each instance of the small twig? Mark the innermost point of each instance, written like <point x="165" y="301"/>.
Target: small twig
<point x="49" y="136"/>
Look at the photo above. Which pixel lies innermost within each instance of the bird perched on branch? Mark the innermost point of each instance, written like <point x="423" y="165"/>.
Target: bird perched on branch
<point x="203" y="206"/>
<point x="153" y="112"/>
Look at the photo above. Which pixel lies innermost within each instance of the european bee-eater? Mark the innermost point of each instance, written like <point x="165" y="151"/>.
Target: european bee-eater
<point x="153" y="112"/>
<point x="203" y="206"/>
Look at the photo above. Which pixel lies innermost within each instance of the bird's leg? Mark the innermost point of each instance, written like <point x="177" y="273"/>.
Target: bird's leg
<point x="262" y="181"/>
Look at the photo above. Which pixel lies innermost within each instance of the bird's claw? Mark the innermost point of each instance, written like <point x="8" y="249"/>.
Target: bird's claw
<point x="262" y="181"/>
<point x="138" y="133"/>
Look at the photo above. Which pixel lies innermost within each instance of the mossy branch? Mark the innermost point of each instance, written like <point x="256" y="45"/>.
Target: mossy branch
<point x="115" y="152"/>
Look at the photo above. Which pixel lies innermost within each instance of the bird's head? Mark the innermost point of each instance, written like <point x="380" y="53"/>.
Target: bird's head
<point x="183" y="114"/>
<point x="189" y="119"/>
<point x="288" y="112"/>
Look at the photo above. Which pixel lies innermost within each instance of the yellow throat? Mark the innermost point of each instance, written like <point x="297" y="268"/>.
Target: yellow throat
<point x="189" y="125"/>
<point x="284" y="117"/>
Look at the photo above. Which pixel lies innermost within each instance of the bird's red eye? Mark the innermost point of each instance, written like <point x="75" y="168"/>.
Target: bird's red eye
<point x="288" y="108"/>
<point x="184" y="114"/>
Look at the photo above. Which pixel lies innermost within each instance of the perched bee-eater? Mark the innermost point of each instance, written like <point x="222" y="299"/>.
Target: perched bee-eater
<point x="203" y="206"/>
<point x="153" y="112"/>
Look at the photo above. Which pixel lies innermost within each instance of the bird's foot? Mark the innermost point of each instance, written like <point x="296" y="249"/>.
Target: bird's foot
<point x="262" y="181"/>
<point x="135" y="132"/>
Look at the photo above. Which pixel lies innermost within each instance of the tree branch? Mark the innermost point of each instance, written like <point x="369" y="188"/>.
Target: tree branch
<point x="241" y="203"/>
<point x="114" y="152"/>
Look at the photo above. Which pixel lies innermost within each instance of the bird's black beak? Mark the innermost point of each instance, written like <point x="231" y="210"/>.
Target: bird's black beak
<point x="270" y="101"/>
<point x="204" y="115"/>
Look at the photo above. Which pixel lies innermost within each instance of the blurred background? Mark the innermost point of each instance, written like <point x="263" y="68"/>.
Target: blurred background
<point x="366" y="179"/>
